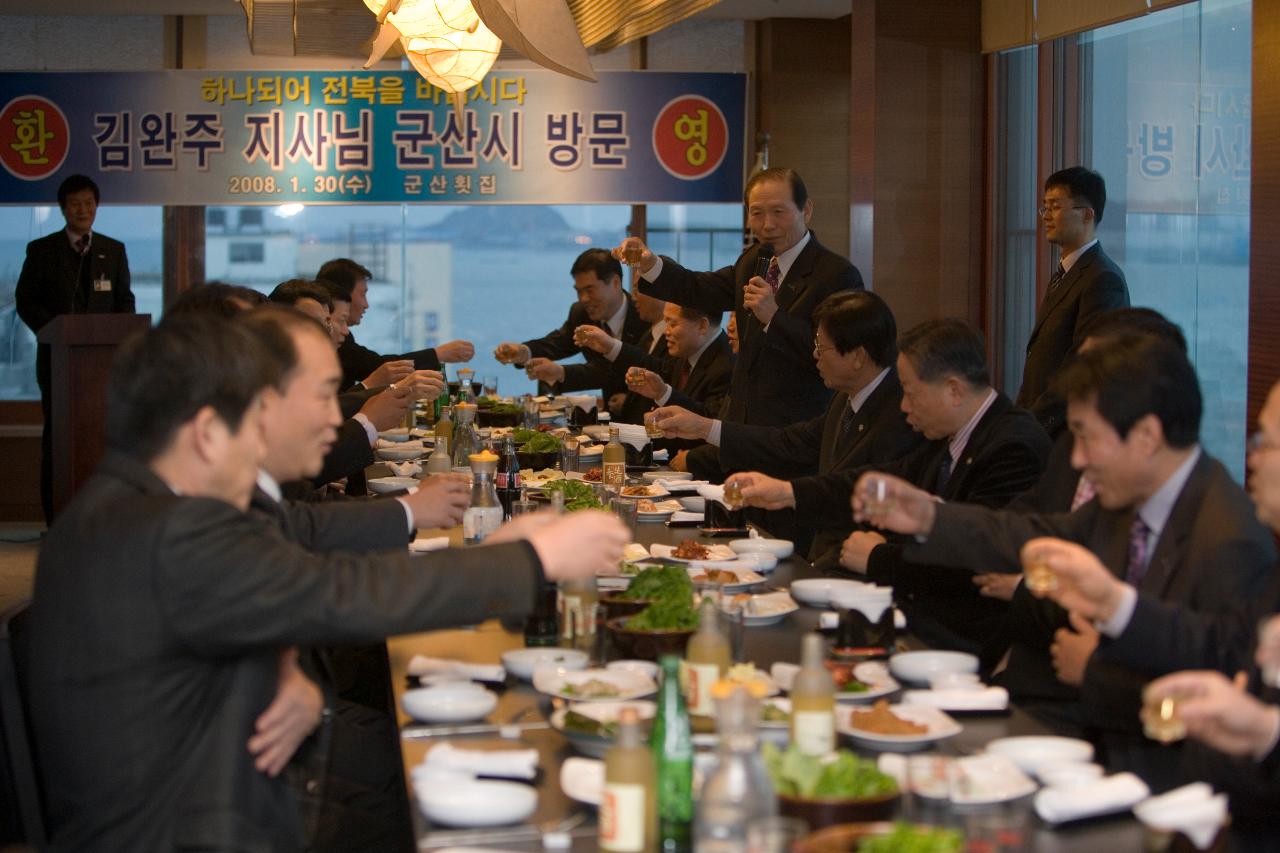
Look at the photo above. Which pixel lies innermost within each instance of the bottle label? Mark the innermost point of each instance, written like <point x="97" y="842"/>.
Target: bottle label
<point x="479" y="521"/>
<point x="615" y="474"/>
<point x="514" y="480"/>
<point x="500" y="481"/>
<point x="699" y="677"/>
<point x="813" y="732"/>
<point x="622" y="818"/>
<point x="577" y="617"/>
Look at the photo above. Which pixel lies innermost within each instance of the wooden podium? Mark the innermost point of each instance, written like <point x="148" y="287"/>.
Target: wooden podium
<point x="81" y="347"/>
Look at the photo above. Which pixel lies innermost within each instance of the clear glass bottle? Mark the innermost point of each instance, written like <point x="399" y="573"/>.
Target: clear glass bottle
<point x="466" y="440"/>
<point x="628" y="813"/>
<point x="672" y="745"/>
<point x="813" y="701"/>
<point x="615" y="462"/>
<point x="484" y="515"/>
<point x="441" y="460"/>
<point x="737" y="790"/>
<point x="579" y="614"/>
<point x="444" y="424"/>
<point x="707" y="658"/>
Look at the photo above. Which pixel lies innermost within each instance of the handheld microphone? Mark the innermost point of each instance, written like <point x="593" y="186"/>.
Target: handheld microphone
<point x="764" y="259"/>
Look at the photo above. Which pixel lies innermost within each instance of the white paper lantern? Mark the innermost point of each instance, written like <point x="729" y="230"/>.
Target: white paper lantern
<point x="426" y="18"/>
<point x="457" y="61"/>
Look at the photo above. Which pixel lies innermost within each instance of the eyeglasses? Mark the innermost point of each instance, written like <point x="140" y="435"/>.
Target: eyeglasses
<point x="819" y="349"/>
<point x="1057" y="208"/>
<point x="1259" y="442"/>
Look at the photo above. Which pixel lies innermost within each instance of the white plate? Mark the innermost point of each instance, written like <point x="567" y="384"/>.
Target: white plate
<point x="768" y="609"/>
<point x="746" y="577"/>
<point x="985" y="779"/>
<point x="662" y="513"/>
<point x="382" y="485"/>
<point x="534" y="479"/>
<point x="1031" y="752"/>
<point x="521" y="662"/>
<point x="457" y="800"/>
<point x="919" y="667"/>
<point x="653" y="491"/>
<point x="653" y="476"/>
<point x="816" y="592"/>
<point x="780" y="548"/>
<point x="715" y="552"/>
<point x="582" y="779"/>
<point x="400" y="454"/>
<point x="448" y="703"/>
<point x="591" y="450"/>
<point x="645" y="667"/>
<point x="605" y="712"/>
<point x="600" y="432"/>
<point x="871" y="673"/>
<point x="940" y="726"/>
<point x="397" y="434"/>
<point x="781" y="703"/>
<point x="629" y="685"/>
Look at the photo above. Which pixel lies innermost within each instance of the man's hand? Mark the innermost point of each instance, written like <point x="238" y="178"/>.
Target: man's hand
<point x="1268" y="654"/>
<point x="423" y="384"/>
<point x="293" y="714"/>
<point x="646" y="383"/>
<point x="593" y="338"/>
<point x="452" y="352"/>
<point x="857" y="548"/>
<point x="764" y="491"/>
<point x="544" y="370"/>
<point x="388" y="372"/>
<point x="679" y="422"/>
<point x="758" y="298"/>
<point x="511" y="353"/>
<point x="893" y="504"/>
<point x="440" y="501"/>
<point x="616" y="402"/>
<point x="999" y="585"/>
<point x="635" y="244"/>
<point x="1085" y="586"/>
<point x="680" y="462"/>
<point x="1071" y="650"/>
<point x="1219" y="712"/>
<point x="386" y="409"/>
<point x="580" y="544"/>
<point x="520" y="527"/>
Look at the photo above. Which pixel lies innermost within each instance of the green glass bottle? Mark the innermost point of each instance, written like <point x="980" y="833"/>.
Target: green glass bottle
<point x="672" y="745"/>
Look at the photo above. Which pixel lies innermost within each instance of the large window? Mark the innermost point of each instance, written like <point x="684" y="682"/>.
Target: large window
<point x="140" y="230"/>
<point x="1164" y="115"/>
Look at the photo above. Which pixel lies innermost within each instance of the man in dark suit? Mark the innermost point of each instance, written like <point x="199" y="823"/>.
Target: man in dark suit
<point x="361" y="366"/>
<point x="1085" y="283"/>
<point x="160" y="606"/>
<point x="775" y="381"/>
<point x="630" y="408"/>
<point x="855" y="349"/>
<point x="1166" y="516"/>
<point x="72" y="271"/>
<point x="601" y="304"/>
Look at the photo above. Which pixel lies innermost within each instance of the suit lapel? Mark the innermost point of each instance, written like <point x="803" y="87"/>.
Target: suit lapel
<point x="1059" y="294"/>
<point x="798" y="277"/>
<point x="977" y="440"/>
<point x="701" y="371"/>
<point x="1162" y="568"/>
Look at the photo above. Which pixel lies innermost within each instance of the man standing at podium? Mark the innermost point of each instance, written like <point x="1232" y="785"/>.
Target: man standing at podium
<point x="72" y="271"/>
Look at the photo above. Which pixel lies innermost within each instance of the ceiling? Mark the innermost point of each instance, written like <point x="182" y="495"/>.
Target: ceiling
<point x="726" y="9"/>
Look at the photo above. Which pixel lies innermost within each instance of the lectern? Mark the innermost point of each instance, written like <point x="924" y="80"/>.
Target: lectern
<point x="80" y="349"/>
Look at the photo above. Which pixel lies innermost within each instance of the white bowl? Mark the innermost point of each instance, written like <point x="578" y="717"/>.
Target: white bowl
<point x="382" y="485"/>
<point x="817" y="592"/>
<point x="522" y="662"/>
<point x="1073" y="774"/>
<point x="757" y="562"/>
<point x="654" y="476"/>
<point x="472" y="803"/>
<point x="922" y="666"/>
<point x="399" y="454"/>
<point x="849" y="598"/>
<point x="956" y="681"/>
<point x="645" y="667"/>
<point x="693" y="503"/>
<point x="780" y="548"/>
<point x="448" y="703"/>
<point x="1032" y="752"/>
<point x="397" y="434"/>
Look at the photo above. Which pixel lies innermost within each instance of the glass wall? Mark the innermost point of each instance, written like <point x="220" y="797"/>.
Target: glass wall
<point x="139" y="228"/>
<point x="1165" y="118"/>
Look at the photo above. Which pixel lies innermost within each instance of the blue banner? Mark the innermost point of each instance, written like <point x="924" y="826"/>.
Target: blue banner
<point x="274" y="137"/>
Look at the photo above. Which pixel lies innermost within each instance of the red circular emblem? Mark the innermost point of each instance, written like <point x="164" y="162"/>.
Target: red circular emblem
<point x="34" y="137"/>
<point x="690" y="137"/>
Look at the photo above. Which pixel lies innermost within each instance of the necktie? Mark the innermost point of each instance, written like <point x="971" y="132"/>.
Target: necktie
<point x="773" y="276"/>
<point x="1056" y="277"/>
<point x="683" y="379"/>
<point x="846" y="421"/>
<point x="607" y="330"/>
<point x="82" y="244"/>
<point x="1137" y="568"/>
<point x="1084" y="493"/>
<point x="944" y="473"/>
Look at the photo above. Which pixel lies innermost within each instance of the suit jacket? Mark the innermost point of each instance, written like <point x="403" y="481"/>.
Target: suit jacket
<point x="878" y="435"/>
<point x="596" y="371"/>
<point x="708" y="381"/>
<point x="635" y="406"/>
<point x="775" y="379"/>
<point x="55" y="280"/>
<point x="350" y="455"/>
<point x="1212" y="554"/>
<point x="155" y="629"/>
<point x="1094" y="284"/>
<point x="358" y="361"/>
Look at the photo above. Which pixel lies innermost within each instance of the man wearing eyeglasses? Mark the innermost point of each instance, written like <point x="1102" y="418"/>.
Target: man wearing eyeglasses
<point x="1084" y="284"/>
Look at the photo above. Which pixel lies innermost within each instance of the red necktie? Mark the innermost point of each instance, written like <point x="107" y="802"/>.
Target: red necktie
<point x="683" y="379"/>
<point x="773" y="276"/>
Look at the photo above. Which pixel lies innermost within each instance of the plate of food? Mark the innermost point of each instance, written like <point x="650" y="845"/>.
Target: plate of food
<point x="767" y="609"/>
<point x="649" y="490"/>
<point x="855" y="682"/>
<point x="895" y="728"/>
<point x="537" y="479"/>
<point x="594" y="685"/>
<point x="647" y="510"/>
<point x="691" y="550"/>
<point x="592" y="727"/>
<point x="729" y="579"/>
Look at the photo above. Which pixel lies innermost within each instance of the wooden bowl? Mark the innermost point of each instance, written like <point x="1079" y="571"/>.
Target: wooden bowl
<point x="537" y="461"/>
<point x="490" y="418"/>
<point x="824" y="812"/>
<point x="615" y="605"/>
<point x="646" y="645"/>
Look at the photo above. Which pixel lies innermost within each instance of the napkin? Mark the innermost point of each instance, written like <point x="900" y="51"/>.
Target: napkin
<point x="586" y="402"/>
<point x="633" y="435"/>
<point x="422" y="665"/>
<point x="435" y="543"/>
<point x="661" y="455"/>
<point x="1193" y="810"/>
<point x="830" y="619"/>
<point x="1113" y="794"/>
<point x="687" y="516"/>
<point x="508" y="763"/>
<point x="405" y="469"/>
<point x="952" y="699"/>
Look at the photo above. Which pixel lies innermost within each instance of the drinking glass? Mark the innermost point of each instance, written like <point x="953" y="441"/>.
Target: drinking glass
<point x="1040" y="578"/>
<point x="733" y="495"/>
<point x="627" y="511"/>
<point x="491" y="386"/>
<point x="532" y="414"/>
<point x="1160" y="720"/>
<point x="732" y="611"/>
<point x="775" y="834"/>
<point x="632" y="253"/>
<point x="651" y="427"/>
<point x="877" y="496"/>
<point x="569" y="455"/>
